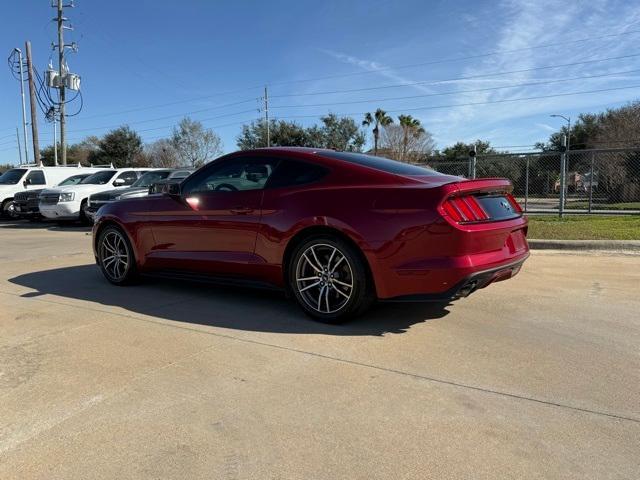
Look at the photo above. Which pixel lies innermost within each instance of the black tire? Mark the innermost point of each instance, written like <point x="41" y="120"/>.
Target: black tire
<point x="5" y="209"/>
<point x="84" y="219"/>
<point x="113" y="242"/>
<point x="323" y="294"/>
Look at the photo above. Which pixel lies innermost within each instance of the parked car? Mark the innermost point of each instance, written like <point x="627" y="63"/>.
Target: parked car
<point x="32" y="177"/>
<point x="140" y="188"/>
<point x="27" y="202"/>
<point x="336" y="230"/>
<point x="70" y="202"/>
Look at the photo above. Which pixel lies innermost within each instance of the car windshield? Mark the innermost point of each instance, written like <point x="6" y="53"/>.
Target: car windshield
<point x="381" y="163"/>
<point x="11" y="177"/>
<point x="99" y="178"/>
<point x="73" y="180"/>
<point x="150" y="178"/>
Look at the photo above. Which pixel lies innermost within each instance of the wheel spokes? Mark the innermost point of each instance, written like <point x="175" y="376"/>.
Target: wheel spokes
<point x="115" y="257"/>
<point x="310" y="286"/>
<point x="324" y="278"/>
<point x="316" y="268"/>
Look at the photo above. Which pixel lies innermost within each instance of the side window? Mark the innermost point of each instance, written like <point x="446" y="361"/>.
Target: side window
<point x="35" y="177"/>
<point x="291" y="172"/>
<point x="128" y="177"/>
<point x="233" y="175"/>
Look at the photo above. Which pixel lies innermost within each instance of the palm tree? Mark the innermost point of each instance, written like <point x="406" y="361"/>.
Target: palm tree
<point x="380" y="117"/>
<point x="409" y="124"/>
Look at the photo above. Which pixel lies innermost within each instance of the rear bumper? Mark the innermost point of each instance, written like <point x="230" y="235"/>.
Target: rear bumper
<point x="467" y="285"/>
<point x="406" y="270"/>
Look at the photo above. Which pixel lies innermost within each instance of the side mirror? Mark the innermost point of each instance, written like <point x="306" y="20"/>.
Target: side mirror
<point x="25" y="183"/>
<point x="118" y="182"/>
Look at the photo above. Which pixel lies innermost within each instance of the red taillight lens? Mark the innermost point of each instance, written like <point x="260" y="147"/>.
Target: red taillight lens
<point x="514" y="203"/>
<point x="464" y="209"/>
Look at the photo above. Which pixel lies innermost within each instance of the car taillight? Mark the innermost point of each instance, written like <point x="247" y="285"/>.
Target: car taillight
<point x="465" y="209"/>
<point x="514" y="203"/>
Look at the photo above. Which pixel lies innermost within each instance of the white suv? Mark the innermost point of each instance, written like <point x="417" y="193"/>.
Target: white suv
<point x="31" y="177"/>
<point x="69" y="203"/>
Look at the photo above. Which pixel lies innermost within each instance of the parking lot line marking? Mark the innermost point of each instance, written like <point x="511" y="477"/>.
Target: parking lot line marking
<point x="170" y="324"/>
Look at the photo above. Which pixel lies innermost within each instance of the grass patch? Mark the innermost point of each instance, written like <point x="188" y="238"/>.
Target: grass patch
<point x="605" y="206"/>
<point x="584" y="227"/>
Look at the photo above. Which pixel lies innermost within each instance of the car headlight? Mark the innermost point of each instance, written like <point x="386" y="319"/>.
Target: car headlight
<point x="67" y="196"/>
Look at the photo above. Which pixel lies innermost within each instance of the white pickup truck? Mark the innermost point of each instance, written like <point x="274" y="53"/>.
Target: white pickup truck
<point x="33" y="177"/>
<point x="70" y="202"/>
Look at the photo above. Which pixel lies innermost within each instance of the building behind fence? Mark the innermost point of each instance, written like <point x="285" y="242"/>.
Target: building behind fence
<point x="596" y="181"/>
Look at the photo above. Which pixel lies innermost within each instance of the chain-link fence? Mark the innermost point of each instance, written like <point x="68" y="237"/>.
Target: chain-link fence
<point x="595" y="181"/>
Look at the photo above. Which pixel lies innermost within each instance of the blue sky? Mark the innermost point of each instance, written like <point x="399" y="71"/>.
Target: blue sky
<point x="147" y="63"/>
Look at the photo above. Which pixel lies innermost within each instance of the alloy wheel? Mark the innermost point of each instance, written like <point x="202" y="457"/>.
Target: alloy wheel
<point x="114" y="255"/>
<point x="324" y="278"/>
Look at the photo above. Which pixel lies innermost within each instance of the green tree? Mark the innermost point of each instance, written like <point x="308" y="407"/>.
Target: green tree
<point x="379" y="118"/>
<point x="334" y="132"/>
<point x="460" y="150"/>
<point x="281" y="133"/>
<point x="411" y="127"/>
<point x="81" y="152"/>
<point x="195" y="144"/>
<point x="339" y="134"/>
<point x="121" y="147"/>
<point x="584" y="134"/>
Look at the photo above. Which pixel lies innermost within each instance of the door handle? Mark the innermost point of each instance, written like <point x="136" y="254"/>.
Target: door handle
<point x="241" y="210"/>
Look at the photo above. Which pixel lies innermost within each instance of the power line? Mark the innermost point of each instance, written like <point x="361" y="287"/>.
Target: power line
<point x="373" y="88"/>
<point x="468" y="77"/>
<point x="455" y="59"/>
<point x="160" y="118"/>
<point x="169" y="126"/>
<point x="545" y="82"/>
<point x="178" y="102"/>
<point x="480" y="103"/>
<point x="230" y="92"/>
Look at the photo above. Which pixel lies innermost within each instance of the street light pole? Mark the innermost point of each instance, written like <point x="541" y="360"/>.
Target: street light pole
<point x="564" y="160"/>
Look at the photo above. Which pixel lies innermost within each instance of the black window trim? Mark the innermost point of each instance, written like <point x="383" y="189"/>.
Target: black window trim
<point x="283" y="159"/>
<point x="203" y="172"/>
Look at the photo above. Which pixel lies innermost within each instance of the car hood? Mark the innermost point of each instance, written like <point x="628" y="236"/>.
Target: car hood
<point x="81" y="190"/>
<point x="118" y="192"/>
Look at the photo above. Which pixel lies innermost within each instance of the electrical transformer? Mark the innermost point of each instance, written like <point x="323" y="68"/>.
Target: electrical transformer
<point x="72" y="81"/>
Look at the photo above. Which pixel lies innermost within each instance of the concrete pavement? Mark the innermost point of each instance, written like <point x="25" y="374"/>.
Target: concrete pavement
<point x="537" y="377"/>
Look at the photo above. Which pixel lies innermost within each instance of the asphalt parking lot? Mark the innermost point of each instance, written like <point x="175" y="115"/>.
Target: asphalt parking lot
<point x="537" y="377"/>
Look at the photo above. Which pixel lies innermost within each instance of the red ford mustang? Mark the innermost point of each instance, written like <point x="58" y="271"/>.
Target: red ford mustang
<point x="336" y="230"/>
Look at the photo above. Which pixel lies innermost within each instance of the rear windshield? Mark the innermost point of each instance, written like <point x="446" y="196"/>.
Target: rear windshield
<point x="381" y="163"/>
<point x="99" y="178"/>
<point x="151" y="177"/>
<point x="11" y="177"/>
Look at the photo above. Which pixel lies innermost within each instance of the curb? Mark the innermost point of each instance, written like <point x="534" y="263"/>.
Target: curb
<point x="616" y="245"/>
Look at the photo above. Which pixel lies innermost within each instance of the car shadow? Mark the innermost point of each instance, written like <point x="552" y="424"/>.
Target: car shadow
<point x="218" y="306"/>
<point x="69" y="226"/>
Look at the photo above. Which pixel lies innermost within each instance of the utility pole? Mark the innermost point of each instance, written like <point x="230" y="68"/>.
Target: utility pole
<point x="19" y="149"/>
<point x="266" y="114"/>
<point x="32" y="102"/>
<point x="61" y="71"/>
<point x="55" y="141"/>
<point x="24" y="109"/>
